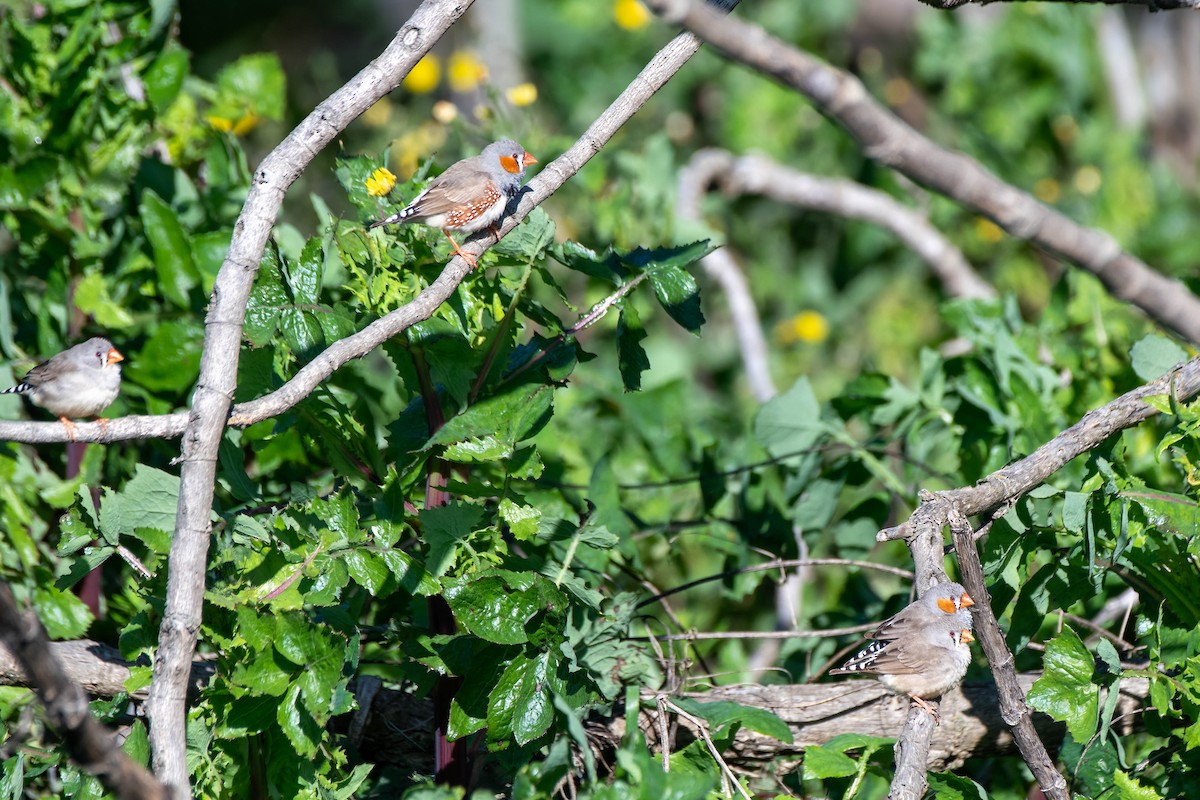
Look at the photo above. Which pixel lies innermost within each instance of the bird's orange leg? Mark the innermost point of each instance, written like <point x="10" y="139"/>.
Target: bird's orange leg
<point x="469" y="259"/>
<point x="70" y="426"/>
<point x="928" y="709"/>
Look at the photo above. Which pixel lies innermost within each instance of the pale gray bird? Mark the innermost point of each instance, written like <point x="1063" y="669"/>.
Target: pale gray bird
<point x="470" y="195"/>
<point x="79" y="382"/>
<point x="922" y="651"/>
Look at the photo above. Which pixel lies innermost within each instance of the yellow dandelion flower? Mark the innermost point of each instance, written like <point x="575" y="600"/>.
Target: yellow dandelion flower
<point x="1088" y="180"/>
<point x="1047" y="190"/>
<point x="465" y="71"/>
<point x="810" y="327"/>
<point x="381" y="182"/>
<point x="238" y="127"/>
<point x="522" y="95"/>
<point x="631" y="14"/>
<point x="424" y="76"/>
<point x="988" y="230"/>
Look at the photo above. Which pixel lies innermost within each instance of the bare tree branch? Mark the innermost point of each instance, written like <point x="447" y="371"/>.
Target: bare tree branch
<point x="88" y="742"/>
<point x="694" y="179"/>
<point x="887" y="139"/>
<point x="223" y="333"/>
<point x="758" y="175"/>
<point x="1009" y="483"/>
<point x="218" y="370"/>
<point x="1016" y="713"/>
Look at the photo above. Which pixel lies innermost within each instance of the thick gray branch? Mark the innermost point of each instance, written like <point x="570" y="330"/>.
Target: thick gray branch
<point x="887" y="139"/>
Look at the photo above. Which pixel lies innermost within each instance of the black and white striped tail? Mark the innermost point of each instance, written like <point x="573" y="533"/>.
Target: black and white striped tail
<point x="20" y="388"/>
<point x="394" y="219"/>
<point x="864" y="660"/>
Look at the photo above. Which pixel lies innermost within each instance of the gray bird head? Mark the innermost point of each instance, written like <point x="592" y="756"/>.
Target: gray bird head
<point x="949" y="598"/>
<point x="95" y="353"/>
<point x="506" y="161"/>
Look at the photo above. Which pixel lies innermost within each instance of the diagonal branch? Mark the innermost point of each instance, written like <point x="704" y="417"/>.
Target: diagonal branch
<point x="885" y="138"/>
<point x="88" y="742"/>
<point x="1013" y="709"/>
<point x="1009" y="483"/>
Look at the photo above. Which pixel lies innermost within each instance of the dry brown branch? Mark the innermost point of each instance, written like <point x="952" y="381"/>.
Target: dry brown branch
<point x="887" y="139"/>
<point x="87" y="741"/>
<point x="1013" y="709"/>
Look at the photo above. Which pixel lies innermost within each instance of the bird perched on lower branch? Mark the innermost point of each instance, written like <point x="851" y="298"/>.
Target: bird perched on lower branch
<point x="79" y="382"/>
<point x="470" y="195"/>
<point x="922" y="651"/>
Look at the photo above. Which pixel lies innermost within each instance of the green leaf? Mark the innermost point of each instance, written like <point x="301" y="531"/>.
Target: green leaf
<point x="1154" y="355"/>
<point x="149" y="500"/>
<point x="297" y="724"/>
<point x="92" y="297"/>
<point x="506" y="418"/>
<point x="137" y="743"/>
<point x="631" y="356"/>
<point x="723" y="714"/>
<point x="268" y="298"/>
<point x="63" y="614"/>
<point x="948" y="786"/>
<point x="1065" y="691"/>
<point x="177" y="274"/>
<point x="443" y="528"/>
<point x="367" y="569"/>
<point x="492" y="610"/>
<point x="529" y="240"/>
<point x="1128" y="788"/>
<point x="821" y="762"/>
<point x="679" y="295"/>
<point x="170" y="359"/>
<point x="253" y="84"/>
<point x="164" y="78"/>
<point x="790" y="423"/>
<point x="521" y="705"/>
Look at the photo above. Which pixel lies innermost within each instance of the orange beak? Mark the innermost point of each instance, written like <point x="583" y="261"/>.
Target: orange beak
<point x="965" y="601"/>
<point x="114" y="356"/>
<point x="529" y="159"/>
<point x="966" y="637"/>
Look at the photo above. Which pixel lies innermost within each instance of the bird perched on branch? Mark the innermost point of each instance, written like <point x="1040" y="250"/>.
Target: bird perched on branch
<point x="922" y="651"/>
<point x="471" y="195"/>
<point x="79" y="382"/>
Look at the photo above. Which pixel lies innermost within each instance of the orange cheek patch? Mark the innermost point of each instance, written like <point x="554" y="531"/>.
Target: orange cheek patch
<point x="510" y="164"/>
<point x="946" y="605"/>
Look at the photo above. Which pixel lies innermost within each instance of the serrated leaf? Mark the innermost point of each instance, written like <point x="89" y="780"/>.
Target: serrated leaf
<point x="948" y="786"/>
<point x="267" y="300"/>
<point x="368" y="570"/>
<point x="297" y="724"/>
<point x="507" y="418"/>
<point x="63" y="614"/>
<point x="489" y="608"/>
<point x="1065" y="691"/>
<point x="529" y="240"/>
<point x="820" y="762"/>
<point x="443" y="528"/>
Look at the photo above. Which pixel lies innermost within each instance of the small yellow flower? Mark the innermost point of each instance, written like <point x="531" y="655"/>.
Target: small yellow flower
<point x="424" y="75"/>
<point x="522" y="95"/>
<point x="465" y="71"/>
<point x="810" y="327"/>
<point x="381" y="182"/>
<point x="631" y="14"/>
<point x="1047" y="190"/>
<point x="988" y="230"/>
<point x="220" y="124"/>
